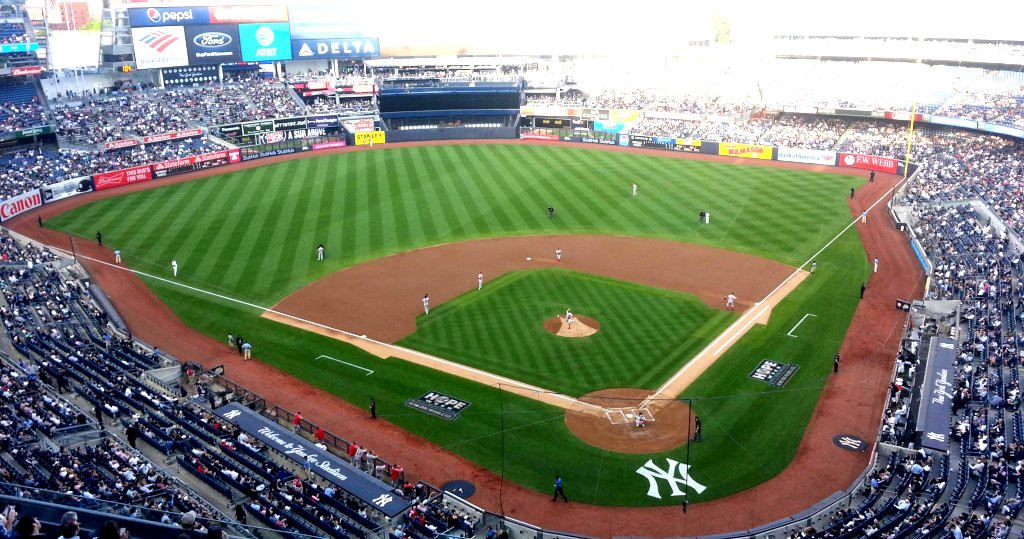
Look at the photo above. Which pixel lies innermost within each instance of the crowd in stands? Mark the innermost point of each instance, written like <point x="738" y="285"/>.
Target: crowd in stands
<point x="29" y="169"/>
<point x="13" y="32"/>
<point x="350" y="105"/>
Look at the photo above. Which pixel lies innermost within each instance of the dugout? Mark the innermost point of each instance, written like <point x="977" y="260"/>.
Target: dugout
<point x="430" y="109"/>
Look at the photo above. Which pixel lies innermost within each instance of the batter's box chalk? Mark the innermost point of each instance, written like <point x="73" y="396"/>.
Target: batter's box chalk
<point x="616" y="417"/>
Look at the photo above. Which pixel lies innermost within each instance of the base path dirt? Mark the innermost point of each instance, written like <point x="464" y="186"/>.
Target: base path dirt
<point x="618" y="431"/>
<point x="382" y="298"/>
<point x="851" y="402"/>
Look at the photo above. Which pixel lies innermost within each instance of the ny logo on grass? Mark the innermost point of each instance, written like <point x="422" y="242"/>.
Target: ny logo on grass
<point x="678" y="484"/>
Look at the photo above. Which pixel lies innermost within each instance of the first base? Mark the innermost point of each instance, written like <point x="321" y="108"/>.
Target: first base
<point x="528" y="258"/>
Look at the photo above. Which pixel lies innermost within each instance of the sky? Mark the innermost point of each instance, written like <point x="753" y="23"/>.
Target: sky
<point x="647" y="28"/>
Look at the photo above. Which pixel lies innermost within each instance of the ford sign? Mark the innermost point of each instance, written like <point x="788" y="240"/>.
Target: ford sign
<point x="212" y="39"/>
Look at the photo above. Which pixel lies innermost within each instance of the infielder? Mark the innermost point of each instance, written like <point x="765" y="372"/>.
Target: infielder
<point x="634" y="188"/>
<point x="864" y="216"/>
<point x="117" y="256"/>
<point x="730" y="301"/>
<point x="876" y="264"/>
<point x="174" y="267"/>
<point x="480" y="281"/>
<point x="426" y="303"/>
<point x="320" y="252"/>
<point x="558" y="255"/>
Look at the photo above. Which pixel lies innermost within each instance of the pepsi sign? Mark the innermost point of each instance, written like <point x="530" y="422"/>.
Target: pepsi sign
<point x="212" y="44"/>
<point x="166" y="16"/>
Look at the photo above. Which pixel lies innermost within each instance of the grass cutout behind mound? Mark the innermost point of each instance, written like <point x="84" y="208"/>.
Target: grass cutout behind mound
<point x="646" y="333"/>
<point x="252" y="234"/>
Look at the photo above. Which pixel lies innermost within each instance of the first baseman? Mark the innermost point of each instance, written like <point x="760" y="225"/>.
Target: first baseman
<point x="558" y="255"/>
<point x="426" y="303"/>
<point x="174" y="266"/>
<point x="730" y="301"/>
<point x="480" y="281"/>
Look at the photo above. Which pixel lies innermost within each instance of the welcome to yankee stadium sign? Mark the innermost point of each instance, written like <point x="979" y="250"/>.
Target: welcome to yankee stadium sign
<point x="773" y="372"/>
<point x="439" y="404"/>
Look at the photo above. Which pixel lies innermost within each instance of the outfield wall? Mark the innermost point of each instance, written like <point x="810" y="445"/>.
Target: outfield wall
<point x="451" y="133"/>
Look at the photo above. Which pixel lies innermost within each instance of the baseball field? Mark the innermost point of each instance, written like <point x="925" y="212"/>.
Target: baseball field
<point x="251" y="236"/>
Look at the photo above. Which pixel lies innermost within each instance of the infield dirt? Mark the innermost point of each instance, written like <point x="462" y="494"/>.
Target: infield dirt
<point x="851" y="402"/>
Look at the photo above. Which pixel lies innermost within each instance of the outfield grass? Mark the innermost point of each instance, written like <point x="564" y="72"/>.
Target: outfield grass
<point x="252" y="234"/>
<point x="646" y="333"/>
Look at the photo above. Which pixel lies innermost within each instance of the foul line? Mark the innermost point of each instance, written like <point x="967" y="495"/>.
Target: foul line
<point x="732" y="334"/>
<point x="790" y="334"/>
<point x="368" y="371"/>
<point x="447" y="363"/>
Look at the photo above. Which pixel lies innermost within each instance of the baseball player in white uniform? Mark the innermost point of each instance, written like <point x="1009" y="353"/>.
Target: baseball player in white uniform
<point x="568" y="317"/>
<point x="320" y="252"/>
<point x="480" y="281"/>
<point x="426" y="303"/>
<point x="730" y="301"/>
<point x="174" y="267"/>
<point x="634" y="188"/>
<point x="558" y="255"/>
<point x="864" y="216"/>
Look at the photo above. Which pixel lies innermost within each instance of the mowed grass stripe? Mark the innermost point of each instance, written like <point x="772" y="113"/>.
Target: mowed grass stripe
<point x="462" y="203"/>
<point x="522" y="204"/>
<point x="200" y="199"/>
<point x="494" y="201"/>
<point x="441" y="187"/>
<point x="221" y="200"/>
<point x="432" y="215"/>
<point x="298" y="244"/>
<point x="535" y="205"/>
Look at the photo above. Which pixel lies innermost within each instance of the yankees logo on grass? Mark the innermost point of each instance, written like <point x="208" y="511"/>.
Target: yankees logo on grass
<point x="677" y="485"/>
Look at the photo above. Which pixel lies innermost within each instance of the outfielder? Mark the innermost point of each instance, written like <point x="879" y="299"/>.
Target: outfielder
<point x="426" y="303"/>
<point x="730" y="301"/>
<point x="320" y="252"/>
<point x="634" y="188"/>
<point x="174" y="267"/>
<point x="558" y="255"/>
<point x="480" y="281"/>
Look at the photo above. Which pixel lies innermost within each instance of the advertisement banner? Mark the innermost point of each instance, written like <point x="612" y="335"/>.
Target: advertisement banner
<point x="248" y="14"/>
<point x="955" y="122"/>
<point x="309" y="22"/>
<point x="811" y="157"/>
<point x="538" y="136"/>
<point x="268" y="41"/>
<point x="120" y="144"/>
<point x="341" y="47"/>
<point x="23" y="71"/>
<point x="20" y="204"/>
<point x="275" y="137"/>
<point x="190" y="133"/>
<point x="624" y="116"/>
<point x="623" y="140"/>
<point x="251" y="128"/>
<point x="1002" y="129"/>
<point x="751" y="151"/>
<point x="594" y="114"/>
<point x="272" y="153"/>
<point x="288" y="124"/>
<point x="18" y="47"/>
<point x="868" y="162"/>
<point x="328" y="145"/>
<point x="376" y="137"/>
<point x="609" y="127"/>
<point x="901" y="115"/>
<point x="853" y="112"/>
<point x="141" y="17"/>
<point x="24" y="133"/>
<point x="66" y="188"/>
<point x="361" y="125"/>
<point x="325" y="120"/>
<point x="596" y="140"/>
<point x="231" y="130"/>
<point x="121" y="177"/>
<point x="213" y="44"/>
<point x="664" y="143"/>
<point x="160" y="46"/>
<point x="195" y="162"/>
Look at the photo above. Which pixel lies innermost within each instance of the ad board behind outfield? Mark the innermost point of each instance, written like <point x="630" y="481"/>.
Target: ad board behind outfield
<point x="265" y="41"/>
<point x="213" y="44"/>
<point x="160" y="46"/>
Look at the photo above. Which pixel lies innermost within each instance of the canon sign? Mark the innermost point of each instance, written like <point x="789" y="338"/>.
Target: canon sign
<point x="20" y="204"/>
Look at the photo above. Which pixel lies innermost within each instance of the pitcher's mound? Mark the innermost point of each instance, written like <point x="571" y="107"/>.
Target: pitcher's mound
<point x="616" y="430"/>
<point x="582" y="326"/>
